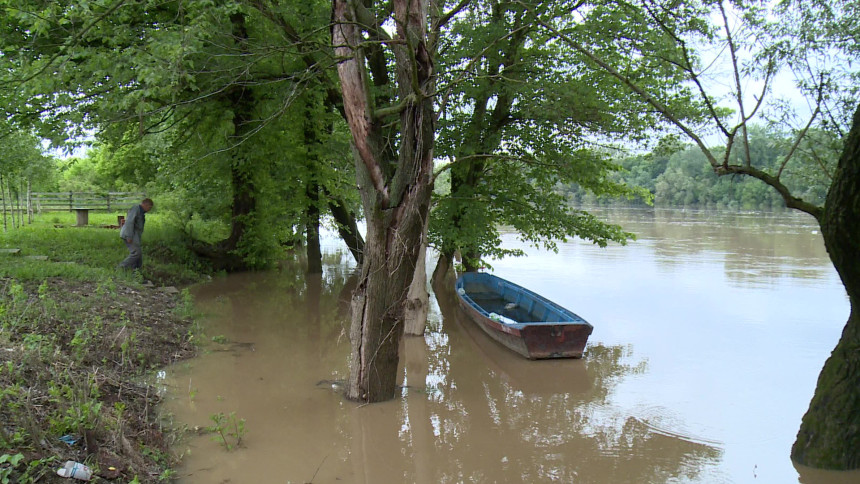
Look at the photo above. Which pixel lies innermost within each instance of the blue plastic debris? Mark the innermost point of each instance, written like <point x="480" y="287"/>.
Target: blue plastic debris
<point x="69" y="439"/>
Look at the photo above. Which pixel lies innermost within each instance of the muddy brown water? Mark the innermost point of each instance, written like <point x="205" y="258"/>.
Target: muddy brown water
<point x="710" y="331"/>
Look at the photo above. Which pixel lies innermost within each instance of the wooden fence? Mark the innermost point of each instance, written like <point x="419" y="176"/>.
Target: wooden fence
<point x="15" y="210"/>
<point x="67" y="201"/>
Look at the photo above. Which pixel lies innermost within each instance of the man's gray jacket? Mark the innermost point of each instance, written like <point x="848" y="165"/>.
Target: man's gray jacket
<point x="133" y="228"/>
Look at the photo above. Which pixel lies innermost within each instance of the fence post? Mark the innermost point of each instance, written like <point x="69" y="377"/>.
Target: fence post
<point x="29" y="202"/>
<point x="70" y="201"/>
<point x="3" y="196"/>
<point x="108" y="201"/>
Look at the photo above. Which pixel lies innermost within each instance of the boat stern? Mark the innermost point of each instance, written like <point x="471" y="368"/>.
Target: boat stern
<point x="556" y="340"/>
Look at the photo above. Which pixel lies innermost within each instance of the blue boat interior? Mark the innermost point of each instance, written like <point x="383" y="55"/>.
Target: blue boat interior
<point x="509" y="303"/>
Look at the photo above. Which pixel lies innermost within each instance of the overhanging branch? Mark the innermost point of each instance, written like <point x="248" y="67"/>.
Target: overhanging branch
<point x="790" y="200"/>
<point x="648" y="98"/>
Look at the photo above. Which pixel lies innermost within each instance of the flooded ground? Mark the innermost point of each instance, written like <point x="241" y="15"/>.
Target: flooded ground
<point x="710" y="331"/>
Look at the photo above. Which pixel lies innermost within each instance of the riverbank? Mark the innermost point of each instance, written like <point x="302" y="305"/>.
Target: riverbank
<point x="79" y="342"/>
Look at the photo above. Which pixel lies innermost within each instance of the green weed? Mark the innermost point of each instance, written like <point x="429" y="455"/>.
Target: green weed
<point x="229" y="429"/>
<point x="8" y="463"/>
<point x="76" y="405"/>
<point x="167" y="475"/>
<point x="185" y="308"/>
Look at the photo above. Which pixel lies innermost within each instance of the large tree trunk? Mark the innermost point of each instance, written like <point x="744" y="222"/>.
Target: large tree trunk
<point x="418" y="299"/>
<point x="395" y="193"/>
<point x="378" y="311"/>
<point x="829" y="435"/>
<point x="244" y="192"/>
<point x="224" y="254"/>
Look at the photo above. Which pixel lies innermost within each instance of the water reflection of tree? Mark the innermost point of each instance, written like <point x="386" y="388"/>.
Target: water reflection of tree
<point x="306" y="305"/>
<point x="755" y="248"/>
<point x="495" y="417"/>
<point x="808" y="475"/>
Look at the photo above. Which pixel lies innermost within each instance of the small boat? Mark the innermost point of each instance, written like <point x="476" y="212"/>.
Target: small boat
<point x="521" y="320"/>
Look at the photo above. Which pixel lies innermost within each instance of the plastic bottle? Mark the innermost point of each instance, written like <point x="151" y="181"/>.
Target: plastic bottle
<point x="75" y="470"/>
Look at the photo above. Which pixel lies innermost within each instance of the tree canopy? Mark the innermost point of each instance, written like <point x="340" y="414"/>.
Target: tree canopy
<point x="520" y="115"/>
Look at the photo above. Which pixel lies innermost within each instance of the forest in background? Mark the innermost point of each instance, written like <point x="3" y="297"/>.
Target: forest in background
<point x="678" y="175"/>
<point x="674" y="174"/>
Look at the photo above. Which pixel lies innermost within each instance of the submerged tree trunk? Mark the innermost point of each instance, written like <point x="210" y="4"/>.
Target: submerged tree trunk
<point x="378" y="309"/>
<point x="829" y="435"/>
<point x="443" y="274"/>
<point x="312" y="190"/>
<point x="418" y="299"/>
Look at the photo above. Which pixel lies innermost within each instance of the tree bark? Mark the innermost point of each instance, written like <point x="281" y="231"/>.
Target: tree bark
<point x="418" y="299"/>
<point x="378" y="301"/>
<point x="829" y="435"/>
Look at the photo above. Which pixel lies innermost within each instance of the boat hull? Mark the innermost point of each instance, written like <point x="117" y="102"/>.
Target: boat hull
<point x="521" y="320"/>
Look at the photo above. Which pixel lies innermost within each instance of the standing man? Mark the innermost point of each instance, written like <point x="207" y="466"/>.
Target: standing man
<point x="132" y="230"/>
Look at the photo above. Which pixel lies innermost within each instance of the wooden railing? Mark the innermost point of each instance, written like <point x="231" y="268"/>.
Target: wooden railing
<point x="62" y="201"/>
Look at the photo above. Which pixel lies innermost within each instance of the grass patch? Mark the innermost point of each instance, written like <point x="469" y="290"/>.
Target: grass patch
<point x="93" y="252"/>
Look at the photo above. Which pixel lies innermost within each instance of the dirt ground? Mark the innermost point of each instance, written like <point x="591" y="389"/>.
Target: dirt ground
<point x="76" y="360"/>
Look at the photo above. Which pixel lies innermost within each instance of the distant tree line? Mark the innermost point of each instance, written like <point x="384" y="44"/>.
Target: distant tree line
<point x="679" y="175"/>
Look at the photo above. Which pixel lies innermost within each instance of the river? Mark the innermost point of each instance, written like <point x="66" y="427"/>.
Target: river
<point x="709" y="333"/>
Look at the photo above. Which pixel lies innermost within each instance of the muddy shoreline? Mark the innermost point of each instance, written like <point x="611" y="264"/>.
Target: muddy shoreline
<point x="75" y="357"/>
